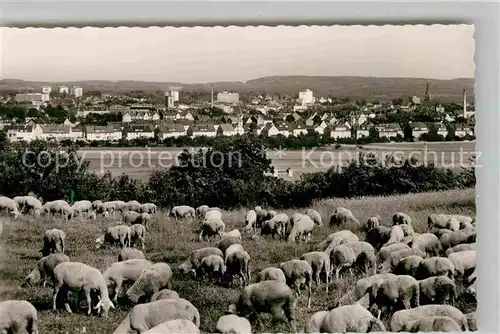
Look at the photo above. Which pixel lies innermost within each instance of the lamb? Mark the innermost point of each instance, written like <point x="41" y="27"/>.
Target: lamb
<point x="400" y="318"/>
<point x="129" y="254"/>
<point x="272" y="297"/>
<point x="301" y="227"/>
<point x="18" y="316"/>
<point x="315" y="216"/>
<point x="274" y="226"/>
<point x="427" y="243"/>
<point x="396" y="256"/>
<point x="271" y="273"/>
<point x="408" y="265"/>
<point x="373" y="222"/>
<point x="250" y="221"/>
<point x="378" y="236"/>
<point x="364" y="253"/>
<point x="343" y="216"/>
<point x="119" y="234"/>
<point x="437" y="290"/>
<point x="182" y="211"/>
<point x="237" y="263"/>
<point x="432" y="324"/>
<point x="435" y="266"/>
<point x="385" y="252"/>
<point x="53" y="242"/>
<point x="395" y="235"/>
<point x="164" y="294"/>
<point x="319" y="262"/>
<point x="334" y="239"/>
<point x="174" y="327"/>
<point x="464" y="262"/>
<point x="137" y="234"/>
<point x="232" y="324"/>
<point x="402" y="288"/>
<point x="298" y="272"/>
<point x="211" y="227"/>
<point x="350" y="318"/>
<point x="81" y="206"/>
<point x="212" y="264"/>
<point x="151" y="280"/>
<point x="225" y="242"/>
<point x="146" y="316"/>
<point x="148" y="208"/>
<point x="44" y="269"/>
<point x="133" y="206"/>
<point x="76" y="276"/>
<point x="9" y="205"/>
<point x="451" y="239"/>
<point x="120" y="272"/>
<point x="28" y="204"/>
<point x="232" y="234"/>
<point x="401" y="218"/>
<point x="341" y="257"/>
<point x="200" y="211"/>
<point x="192" y="263"/>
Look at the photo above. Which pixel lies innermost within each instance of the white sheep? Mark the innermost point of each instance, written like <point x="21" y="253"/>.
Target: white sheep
<point x="350" y="318"/>
<point x="271" y="273"/>
<point x="149" y="208"/>
<point x="395" y="235"/>
<point x="174" y="327"/>
<point x="396" y="256"/>
<point x="400" y="218"/>
<point x="29" y="204"/>
<point x="44" y="270"/>
<point x="334" y="239"/>
<point x="315" y="216"/>
<point x="460" y="248"/>
<point x="128" y="253"/>
<point x="407" y="229"/>
<point x="301" y="227"/>
<point x="119" y="234"/>
<point x="441" y="220"/>
<point x="224" y="243"/>
<point x="200" y="211"/>
<point x="53" y="242"/>
<point x="427" y="243"/>
<point x="18" y="316"/>
<point x="453" y="224"/>
<point x="385" y="252"/>
<point x="233" y="324"/>
<point x="192" y="263"/>
<point x="399" y="288"/>
<point x="81" y="206"/>
<point x="435" y="266"/>
<point x="9" y="205"/>
<point x="213" y="213"/>
<point x="211" y="228"/>
<point x="451" y="239"/>
<point x="314" y="323"/>
<point x="137" y="234"/>
<point x="164" y="294"/>
<point x="320" y="262"/>
<point x="131" y="217"/>
<point x="76" y="276"/>
<point x="58" y="207"/>
<point x="274" y="226"/>
<point x="342" y="257"/>
<point x="182" y="212"/>
<point x="298" y="272"/>
<point x="132" y="205"/>
<point x="408" y="265"/>
<point x="250" y="221"/>
<point x="363" y="251"/>
<point x="124" y="271"/>
<point x="343" y="216"/>
<point x="232" y="234"/>
<point x="213" y="265"/>
<point x="464" y="262"/>
<point x="437" y="290"/>
<point x="152" y="279"/>
<point x="431" y="324"/>
<point x="400" y="318"/>
<point x="237" y="264"/>
<point x="372" y="222"/>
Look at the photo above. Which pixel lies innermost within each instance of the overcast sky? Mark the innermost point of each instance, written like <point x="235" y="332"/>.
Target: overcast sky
<point x="204" y="54"/>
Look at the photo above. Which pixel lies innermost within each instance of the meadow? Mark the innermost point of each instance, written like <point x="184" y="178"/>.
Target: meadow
<point x="171" y="242"/>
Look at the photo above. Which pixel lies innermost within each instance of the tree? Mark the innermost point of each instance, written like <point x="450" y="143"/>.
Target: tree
<point x="3" y="139"/>
<point x="373" y="133"/>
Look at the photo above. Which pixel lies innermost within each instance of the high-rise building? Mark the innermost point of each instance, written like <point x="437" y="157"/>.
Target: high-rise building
<point x="77" y="91"/>
<point x="46" y="89"/>
<point x="30" y="97"/>
<point x="63" y="89"/>
<point x="306" y="97"/>
<point x="226" y="97"/>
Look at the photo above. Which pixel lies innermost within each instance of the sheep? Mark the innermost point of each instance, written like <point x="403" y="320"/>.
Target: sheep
<point x="314" y="323"/>
<point x="18" y="316"/>
<point x="364" y="252"/>
<point x="120" y="206"/>
<point x="274" y="226"/>
<point x="441" y="220"/>
<point x="439" y="232"/>
<point x="402" y="288"/>
<point x="334" y="239"/>
<point x="319" y="262"/>
<point x="53" y="242"/>
<point x="148" y="208"/>
<point x="466" y="226"/>
<point x="210" y="228"/>
<point x="44" y="269"/>
<point x="97" y="205"/>
<point x="427" y="243"/>
<point x="133" y="206"/>
<point x="233" y="249"/>
<point x="250" y="221"/>
<point x="182" y="211"/>
<point x="395" y="235"/>
<point x="9" y="205"/>
<point x="271" y="273"/>
<point x="192" y="263"/>
<point x="232" y="234"/>
<point x="373" y="222"/>
<point x="174" y="327"/>
<point x="315" y="216"/>
<point x="451" y="239"/>
<point x="119" y="234"/>
<point x="471" y="321"/>
<point x="200" y="211"/>
<point x="407" y="230"/>
<point x="233" y="324"/>
<point x="81" y="206"/>
<point x="400" y="318"/>
<point x="237" y="263"/>
<point x="146" y="316"/>
<point x="272" y="296"/>
<point x="453" y="224"/>
<point x="435" y="266"/>
<point x="130" y="217"/>
<point x="341" y="257"/>
<point x="301" y="227"/>
<point x="343" y="216"/>
<point x="408" y="265"/>
<point x="298" y="272"/>
<point x="401" y="218"/>
<point x="28" y="204"/>
<point x="378" y="236"/>
<point x="396" y="256"/>
<point x="59" y="206"/>
<point x="385" y="252"/>
<point x="225" y="242"/>
<point x="213" y="213"/>
<point x="129" y="254"/>
<point x="464" y="262"/>
<point x="350" y="318"/>
<point x="437" y="290"/>
<point x="212" y="264"/>
<point x="151" y="280"/>
<point x="262" y="215"/>
<point x="120" y="272"/>
<point x="164" y="294"/>
<point x="363" y="285"/>
<point x="431" y="324"/>
<point x="137" y="234"/>
<point x="76" y="276"/>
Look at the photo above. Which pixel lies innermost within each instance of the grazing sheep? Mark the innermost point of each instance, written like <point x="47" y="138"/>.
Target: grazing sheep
<point x="237" y="264"/>
<point x="149" y="208"/>
<point x="262" y="216"/>
<point x="437" y="290"/>
<point x="471" y="321"/>
<point x="146" y="316"/>
<point x="44" y="270"/>
<point x="233" y="249"/>
<point x="364" y="252"/>
<point x="232" y="234"/>
<point x="76" y="276"/>
<point x="464" y="262"/>
<point x="28" y="204"/>
<point x="432" y="324"/>
<point x="182" y="211"/>
<point x="213" y="213"/>
<point x="212" y="264"/>
<point x="378" y="236"/>
<point x="137" y="234"/>
<point x="466" y="226"/>
<point x="131" y="217"/>
<point x="274" y="226"/>
<point x="53" y="242"/>
<point x="373" y="222"/>
<point x="119" y="234"/>
<point x="120" y="272"/>
<point x="350" y="318"/>
<point x="401" y="288"/>
<point x="396" y="256"/>
<point x="427" y="243"/>
<point x="395" y="235"/>
<point x="435" y="266"/>
<point x="174" y="327"/>
<point x="80" y="207"/>
<point x="453" y="224"/>
<point x="130" y="253"/>
<point x="200" y="211"/>
<point x="301" y="227"/>
<point x="18" y="316"/>
<point x="225" y="242"/>
<point x="341" y="257"/>
<point x="319" y="262"/>
<point x="408" y="265"/>
<point x="151" y="280"/>
<point x="97" y="206"/>
<point x="271" y="273"/>
<point x="343" y="216"/>
<point x="334" y="239"/>
<point x="133" y="206"/>
<point x="451" y="239"/>
<point x="298" y="272"/>
<point x="314" y="323"/>
<point x="272" y="297"/>
<point x="401" y="218"/>
<point x="407" y="229"/>
<point x="58" y="207"/>
<point x="441" y="220"/>
<point x="164" y="294"/>
<point x="211" y="228"/>
<point x="385" y="252"/>
<point x="9" y="205"/>
<point x="250" y="221"/>
<point x="400" y="318"/>
<point x="439" y="232"/>
<point x="363" y="285"/>
<point x="232" y="324"/>
<point x="315" y="216"/>
<point x="192" y="263"/>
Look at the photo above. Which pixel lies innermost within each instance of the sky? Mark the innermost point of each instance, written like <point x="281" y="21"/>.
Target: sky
<point x="209" y="54"/>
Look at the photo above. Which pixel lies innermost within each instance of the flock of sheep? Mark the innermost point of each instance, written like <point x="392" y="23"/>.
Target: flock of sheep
<point x="409" y="277"/>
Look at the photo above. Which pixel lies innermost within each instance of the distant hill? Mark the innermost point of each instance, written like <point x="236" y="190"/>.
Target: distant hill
<point x="354" y="87"/>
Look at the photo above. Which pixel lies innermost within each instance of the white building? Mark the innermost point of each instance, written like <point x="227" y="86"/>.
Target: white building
<point x="63" y="89"/>
<point x="306" y="97"/>
<point x="84" y="113"/>
<point x="340" y="131"/>
<point x="26" y="133"/>
<point x="102" y="133"/>
<point x="139" y="131"/>
<point x="32" y="97"/>
<point x="61" y="132"/>
<point x="46" y="89"/>
<point x="77" y="91"/>
<point x="226" y="97"/>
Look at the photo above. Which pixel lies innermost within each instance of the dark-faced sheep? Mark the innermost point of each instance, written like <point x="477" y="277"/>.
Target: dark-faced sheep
<point x="334" y="239"/>
<point x="401" y="218"/>
<point x="435" y="266"/>
<point x="378" y="236"/>
<point x="225" y="242"/>
<point x="124" y="271"/>
<point x="408" y="265"/>
<point x="427" y="243"/>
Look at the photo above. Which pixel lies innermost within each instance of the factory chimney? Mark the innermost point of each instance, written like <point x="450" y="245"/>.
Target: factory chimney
<point x="465" y="104"/>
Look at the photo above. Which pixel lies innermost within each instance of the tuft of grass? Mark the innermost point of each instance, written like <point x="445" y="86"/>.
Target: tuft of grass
<point x="171" y="242"/>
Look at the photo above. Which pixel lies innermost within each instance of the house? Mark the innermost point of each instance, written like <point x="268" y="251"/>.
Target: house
<point x="283" y="129"/>
<point x="389" y="130"/>
<point x="172" y="130"/>
<point x="102" y="133"/>
<point x="362" y="132"/>
<point x="320" y="128"/>
<point x="184" y="115"/>
<point x="202" y="130"/>
<point x="269" y="130"/>
<point x="418" y="129"/>
<point x="227" y="130"/>
<point x="127" y="117"/>
<point x="299" y="129"/>
<point x="310" y="120"/>
<point x="140" y="131"/>
<point x="61" y="132"/>
<point x="340" y="131"/>
<point x="441" y="129"/>
<point x="24" y="133"/>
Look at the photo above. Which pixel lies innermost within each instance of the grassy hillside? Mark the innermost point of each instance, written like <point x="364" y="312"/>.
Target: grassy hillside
<point x="170" y="242"/>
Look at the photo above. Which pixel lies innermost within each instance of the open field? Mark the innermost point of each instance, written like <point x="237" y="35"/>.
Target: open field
<point x="140" y="162"/>
<point x="170" y="242"/>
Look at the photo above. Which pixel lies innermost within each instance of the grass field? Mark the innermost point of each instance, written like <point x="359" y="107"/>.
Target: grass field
<point x="170" y="242"/>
